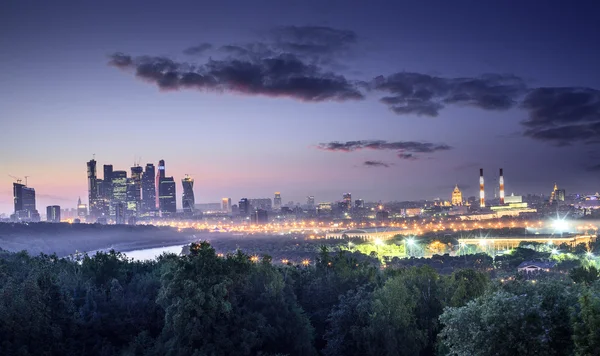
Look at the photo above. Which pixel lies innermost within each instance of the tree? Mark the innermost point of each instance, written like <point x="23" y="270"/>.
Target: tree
<point x="586" y="324"/>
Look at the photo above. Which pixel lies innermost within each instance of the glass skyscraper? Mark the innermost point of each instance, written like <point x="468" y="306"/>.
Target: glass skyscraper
<point x="187" y="200"/>
<point x="119" y="189"/>
<point x="93" y="199"/>
<point x="149" y="189"/>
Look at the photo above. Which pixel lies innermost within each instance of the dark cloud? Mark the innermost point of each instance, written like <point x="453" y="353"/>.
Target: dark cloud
<point x="313" y="40"/>
<point x="282" y="75"/>
<point x="406" y="149"/>
<point x="563" y="116"/>
<point x="376" y="164"/>
<point x="595" y="168"/>
<point x="425" y="95"/>
<point x="197" y="50"/>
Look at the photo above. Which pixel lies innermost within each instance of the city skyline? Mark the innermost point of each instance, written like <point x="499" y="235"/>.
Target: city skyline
<point x="387" y="117"/>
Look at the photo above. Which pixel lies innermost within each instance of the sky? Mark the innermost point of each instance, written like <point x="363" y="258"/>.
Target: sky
<point x="388" y="100"/>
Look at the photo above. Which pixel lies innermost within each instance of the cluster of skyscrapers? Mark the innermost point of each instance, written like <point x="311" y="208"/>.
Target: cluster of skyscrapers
<point x="147" y="192"/>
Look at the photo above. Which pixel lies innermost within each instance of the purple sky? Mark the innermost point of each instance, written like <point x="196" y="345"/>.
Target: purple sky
<point x="507" y="84"/>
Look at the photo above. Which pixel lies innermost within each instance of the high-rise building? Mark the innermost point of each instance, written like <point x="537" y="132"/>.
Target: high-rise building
<point x="131" y="201"/>
<point x="277" y="201"/>
<point x="120" y="213"/>
<point x="53" y="213"/>
<point x="244" y="207"/>
<point x="359" y="203"/>
<point x="261" y="203"/>
<point x="557" y="194"/>
<point x="226" y="205"/>
<point x="187" y="200"/>
<point x="259" y="216"/>
<point x="24" y="202"/>
<point x="119" y="190"/>
<point x="310" y="201"/>
<point x="136" y="177"/>
<point x="348" y="198"/>
<point x="457" y="196"/>
<point x="82" y="209"/>
<point x="149" y="189"/>
<point x="167" y="196"/>
<point x="93" y="189"/>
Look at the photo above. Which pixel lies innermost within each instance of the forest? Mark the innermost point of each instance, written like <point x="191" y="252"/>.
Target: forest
<point x="204" y="303"/>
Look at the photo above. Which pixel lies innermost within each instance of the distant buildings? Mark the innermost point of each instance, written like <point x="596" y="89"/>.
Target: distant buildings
<point x="82" y="210"/>
<point x="259" y="216"/>
<point x="310" y="201"/>
<point x="188" y="200"/>
<point x="53" y="214"/>
<point x="261" y="203"/>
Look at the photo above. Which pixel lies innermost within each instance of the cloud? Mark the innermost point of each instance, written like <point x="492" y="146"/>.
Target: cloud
<point x="563" y="116"/>
<point x="283" y="75"/>
<point x="197" y="50"/>
<point x="425" y="95"/>
<point x="595" y="168"/>
<point x="376" y="164"/>
<point x="405" y="149"/>
<point x="313" y="40"/>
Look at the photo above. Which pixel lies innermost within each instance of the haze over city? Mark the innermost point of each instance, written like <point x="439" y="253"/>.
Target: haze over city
<point x="430" y="101"/>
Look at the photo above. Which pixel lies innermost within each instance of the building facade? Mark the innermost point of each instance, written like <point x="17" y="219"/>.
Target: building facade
<point x="188" y="200"/>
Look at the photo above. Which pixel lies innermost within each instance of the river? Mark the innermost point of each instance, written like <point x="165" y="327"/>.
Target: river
<point x="153" y="253"/>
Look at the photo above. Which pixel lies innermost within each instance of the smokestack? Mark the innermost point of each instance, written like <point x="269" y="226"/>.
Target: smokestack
<point x="481" y="190"/>
<point x="501" y="186"/>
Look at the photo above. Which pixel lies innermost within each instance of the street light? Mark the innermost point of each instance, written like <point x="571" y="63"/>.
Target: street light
<point x="410" y="242"/>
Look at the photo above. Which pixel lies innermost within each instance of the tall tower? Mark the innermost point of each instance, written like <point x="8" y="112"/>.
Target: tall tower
<point x="160" y="175"/>
<point x="136" y="178"/>
<point x="277" y="201"/>
<point x="187" y="200"/>
<point x="92" y="188"/>
<point x="501" y="180"/>
<point x="481" y="189"/>
<point x="456" y="196"/>
<point x="149" y="188"/>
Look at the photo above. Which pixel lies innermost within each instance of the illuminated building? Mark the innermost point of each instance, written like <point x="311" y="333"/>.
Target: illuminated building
<point x="149" y="189"/>
<point x="324" y="209"/>
<point x="93" y="189"/>
<point x="457" y="196"/>
<point x="310" y="201"/>
<point x="226" y="205"/>
<point x="160" y="175"/>
<point x="119" y="190"/>
<point x="557" y="194"/>
<point x="261" y="203"/>
<point x="132" y="198"/>
<point x="244" y="207"/>
<point x="347" y="197"/>
<point x="119" y="213"/>
<point x="136" y="177"/>
<point x="359" y="203"/>
<point x="513" y="199"/>
<point x="187" y="200"/>
<point x="53" y="214"/>
<point x="382" y="215"/>
<point x="260" y="216"/>
<point x="277" y="201"/>
<point x="167" y="196"/>
<point x="82" y="209"/>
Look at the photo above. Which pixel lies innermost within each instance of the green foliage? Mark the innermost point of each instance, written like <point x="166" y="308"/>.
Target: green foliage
<point x="586" y="324"/>
<point x="586" y="275"/>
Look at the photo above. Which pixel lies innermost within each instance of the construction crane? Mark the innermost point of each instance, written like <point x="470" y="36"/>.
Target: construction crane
<point x="17" y="179"/>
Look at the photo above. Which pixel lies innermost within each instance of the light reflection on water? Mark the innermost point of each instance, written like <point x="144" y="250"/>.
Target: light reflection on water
<point x="153" y="253"/>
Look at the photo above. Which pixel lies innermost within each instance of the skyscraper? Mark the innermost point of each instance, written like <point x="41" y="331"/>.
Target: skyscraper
<point x="244" y="207"/>
<point x="119" y="190"/>
<point x="226" y="205"/>
<point x="160" y="175"/>
<point x="93" y="189"/>
<point x="457" y="196"/>
<point x="82" y="209"/>
<point x="310" y="201"/>
<point x="131" y="200"/>
<point x="24" y="201"/>
<point x="149" y="189"/>
<point x="136" y="177"/>
<point x="53" y="213"/>
<point x="187" y="200"/>
<point x="167" y="196"/>
<point x="277" y="201"/>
